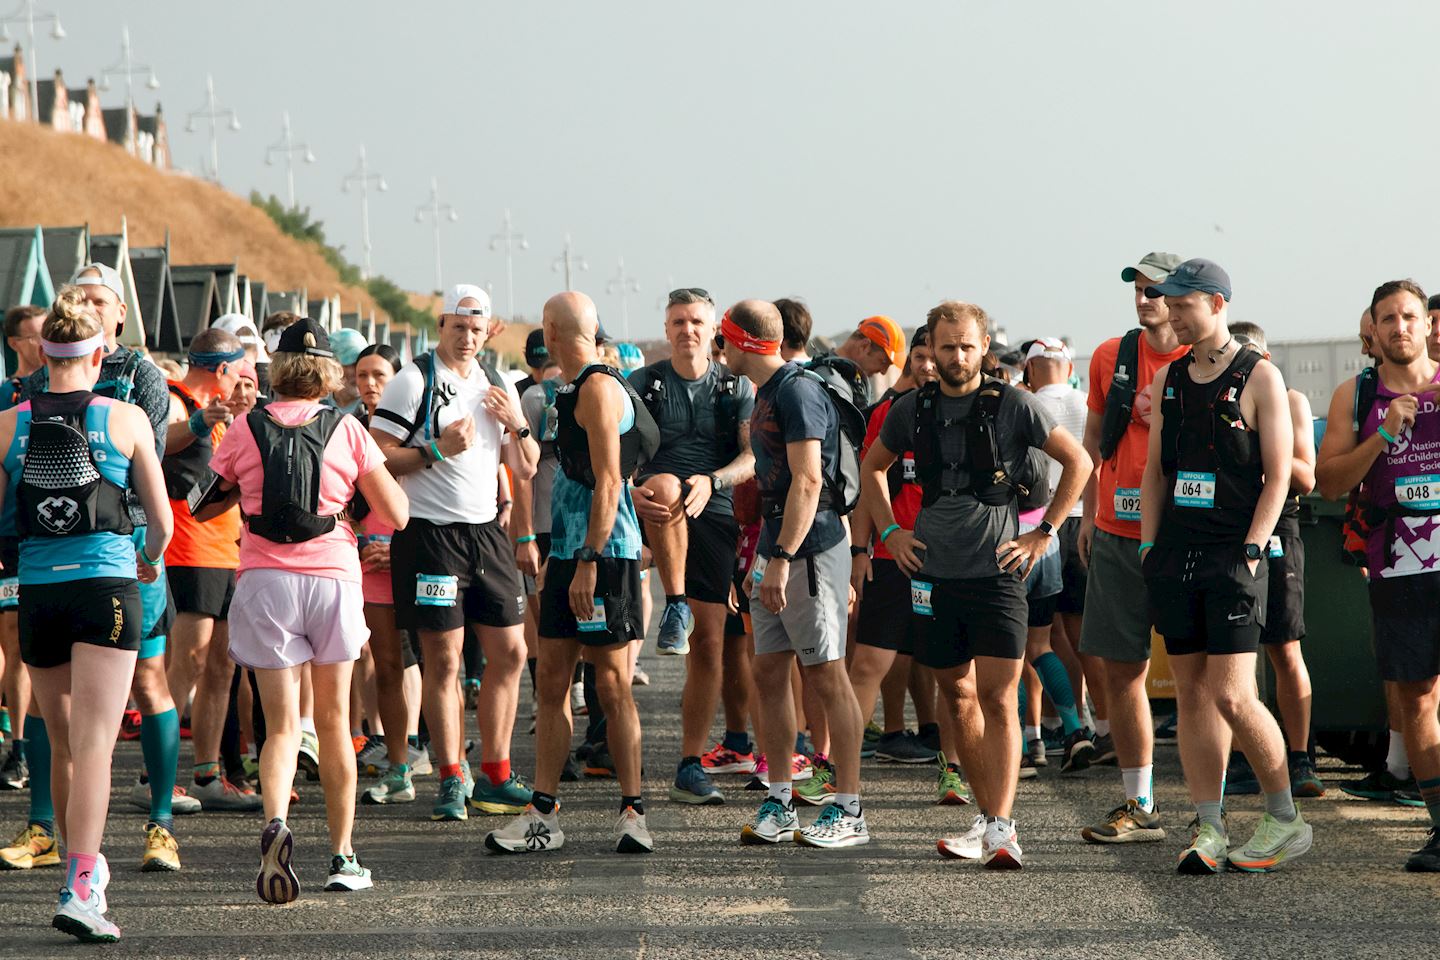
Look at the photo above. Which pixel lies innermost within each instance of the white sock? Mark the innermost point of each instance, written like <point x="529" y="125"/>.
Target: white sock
<point x="782" y="792"/>
<point x="1140" y="785"/>
<point x="307" y="724"/>
<point x="849" y="802"/>
<point x="1051" y="723"/>
<point x="1032" y="733"/>
<point x="1102" y="728"/>
<point x="1397" y="761"/>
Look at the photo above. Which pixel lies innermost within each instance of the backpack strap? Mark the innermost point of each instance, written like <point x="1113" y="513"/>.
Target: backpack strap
<point x="653" y="393"/>
<point x="424" y="411"/>
<point x="1120" y="398"/>
<point x="1172" y="412"/>
<point x="1367" y="385"/>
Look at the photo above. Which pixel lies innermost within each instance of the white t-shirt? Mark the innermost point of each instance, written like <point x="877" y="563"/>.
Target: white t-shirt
<point x="1067" y="405"/>
<point x="462" y="488"/>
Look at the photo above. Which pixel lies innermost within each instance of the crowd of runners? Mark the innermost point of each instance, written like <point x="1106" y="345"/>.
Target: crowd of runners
<point x="311" y="560"/>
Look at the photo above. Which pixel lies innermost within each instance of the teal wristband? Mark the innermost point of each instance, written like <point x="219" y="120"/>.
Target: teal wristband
<point x="1145" y="546"/>
<point x="889" y="530"/>
<point x="435" y="449"/>
<point x="528" y="538"/>
<point x="146" y="557"/>
<point x="196" y="423"/>
<point x="1381" y="430"/>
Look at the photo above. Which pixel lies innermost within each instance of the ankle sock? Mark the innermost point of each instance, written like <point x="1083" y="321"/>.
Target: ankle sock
<point x="80" y="869"/>
<point x="1032" y="733"/>
<point x="160" y="746"/>
<point x="1396" y="759"/>
<point x="1140" y="786"/>
<point x="928" y="730"/>
<point x="1281" y="805"/>
<point x="737" y="741"/>
<point x="167" y="822"/>
<point x="849" y="802"/>
<point x="782" y="793"/>
<point x="1297" y="755"/>
<point x="1102" y="728"/>
<point x="1209" y="811"/>
<point x="206" y="772"/>
<point x="673" y="598"/>
<point x="37" y="753"/>
<point x="688" y="761"/>
<point x="544" y="803"/>
<point x="450" y="770"/>
<point x="497" y="772"/>
<point x="307" y="725"/>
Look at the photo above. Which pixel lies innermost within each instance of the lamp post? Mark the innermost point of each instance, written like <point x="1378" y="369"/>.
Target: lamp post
<point x="28" y="15"/>
<point x="570" y="261"/>
<point x="363" y="177"/>
<point x="212" y="112"/>
<point x="288" y="148"/>
<point x="129" y="69"/>
<point x="512" y="239"/>
<point x="434" y="211"/>
<point x="623" y="284"/>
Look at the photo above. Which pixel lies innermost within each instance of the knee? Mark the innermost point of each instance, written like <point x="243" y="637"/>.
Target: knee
<point x="1233" y="704"/>
<point x="442" y="661"/>
<point x="612" y="683"/>
<point x="999" y="700"/>
<point x="507" y="657"/>
<point x="552" y="684"/>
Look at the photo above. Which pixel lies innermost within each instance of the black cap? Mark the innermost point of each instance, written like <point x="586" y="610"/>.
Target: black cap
<point x="920" y="338"/>
<point x="536" y="353"/>
<point x="305" y="336"/>
<point x="1200" y="274"/>
<point x="1434" y="302"/>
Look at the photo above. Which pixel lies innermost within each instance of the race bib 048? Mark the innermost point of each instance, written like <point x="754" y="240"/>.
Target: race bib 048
<point x="1420" y="492"/>
<point x="596" y="621"/>
<point x="920" y="592"/>
<point x="436" y="591"/>
<point x="1127" y="503"/>
<point x="1193" y="489"/>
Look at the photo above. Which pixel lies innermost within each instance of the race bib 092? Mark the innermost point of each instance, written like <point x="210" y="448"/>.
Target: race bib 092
<point x="1127" y="503"/>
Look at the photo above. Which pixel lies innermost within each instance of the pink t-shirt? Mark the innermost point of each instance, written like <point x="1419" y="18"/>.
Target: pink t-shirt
<point x="350" y="455"/>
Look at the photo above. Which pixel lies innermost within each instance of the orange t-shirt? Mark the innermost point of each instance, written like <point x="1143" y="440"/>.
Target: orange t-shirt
<point x="1118" y="486"/>
<point x="215" y="545"/>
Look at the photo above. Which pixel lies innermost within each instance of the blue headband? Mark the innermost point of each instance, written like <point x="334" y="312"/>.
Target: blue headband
<point x="211" y="361"/>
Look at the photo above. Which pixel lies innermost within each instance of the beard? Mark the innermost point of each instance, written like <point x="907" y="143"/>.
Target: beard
<point x="958" y="374"/>
<point x="1400" y="354"/>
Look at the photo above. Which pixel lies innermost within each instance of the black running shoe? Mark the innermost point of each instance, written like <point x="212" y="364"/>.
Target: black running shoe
<point x="1079" y="752"/>
<point x="1379" y="785"/>
<point x="1427" y="858"/>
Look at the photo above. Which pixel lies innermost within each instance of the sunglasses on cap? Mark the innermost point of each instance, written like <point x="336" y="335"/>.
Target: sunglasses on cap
<point x="690" y="295"/>
<point x="469" y="311"/>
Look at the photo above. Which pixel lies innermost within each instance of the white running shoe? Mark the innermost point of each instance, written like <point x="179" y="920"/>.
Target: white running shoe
<point x="631" y="834"/>
<point x="530" y="832"/>
<point x="347" y="873"/>
<point x="309" y="759"/>
<point x="221" y="794"/>
<point x="835" y="828"/>
<point x="181" y="803"/>
<point x="418" y="759"/>
<point x="373" y="758"/>
<point x="1001" y="847"/>
<point x="967" y="846"/>
<point x="84" y="919"/>
<point x="577" y="700"/>
<point x="774" y="823"/>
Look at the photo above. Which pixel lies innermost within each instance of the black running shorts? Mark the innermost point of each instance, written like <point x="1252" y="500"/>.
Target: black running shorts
<point x="1073" y="573"/>
<point x="102" y="611"/>
<point x="205" y="591"/>
<point x="617" y="586"/>
<point x="1406" y="620"/>
<point x="885" y="619"/>
<point x="1205" y="599"/>
<point x="981" y="617"/>
<point x="445" y="574"/>
<point x="710" y="559"/>
<point x="1285" y="608"/>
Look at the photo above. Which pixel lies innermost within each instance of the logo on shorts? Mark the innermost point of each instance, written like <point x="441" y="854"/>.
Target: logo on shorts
<point x="119" y="627"/>
<point x="58" y="514"/>
<point x="808" y="651"/>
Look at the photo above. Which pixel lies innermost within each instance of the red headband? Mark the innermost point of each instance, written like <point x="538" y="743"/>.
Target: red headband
<point x="748" y="342"/>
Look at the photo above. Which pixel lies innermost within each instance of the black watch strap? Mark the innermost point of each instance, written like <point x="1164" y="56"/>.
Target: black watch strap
<point x="785" y="555"/>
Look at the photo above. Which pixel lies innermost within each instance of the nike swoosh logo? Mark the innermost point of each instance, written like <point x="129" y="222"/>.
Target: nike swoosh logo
<point x="1234" y="617"/>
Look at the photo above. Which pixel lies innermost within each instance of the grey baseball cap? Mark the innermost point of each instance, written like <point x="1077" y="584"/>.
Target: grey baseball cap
<point x="1153" y="266"/>
<point x="1205" y="276"/>
<point x="100" y="274"/>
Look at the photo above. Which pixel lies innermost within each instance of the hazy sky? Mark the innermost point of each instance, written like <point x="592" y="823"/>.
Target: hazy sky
<point x="870" y="158"/>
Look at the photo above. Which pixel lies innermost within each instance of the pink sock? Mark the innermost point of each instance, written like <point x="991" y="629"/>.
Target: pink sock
<point x="81" y="869"/>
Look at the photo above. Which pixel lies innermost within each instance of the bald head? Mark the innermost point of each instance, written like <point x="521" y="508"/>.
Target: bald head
<point x="759" y="318"/>
<point x="571" y="316"/>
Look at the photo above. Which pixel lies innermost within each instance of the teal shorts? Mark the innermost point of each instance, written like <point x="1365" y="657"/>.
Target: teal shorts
<point x="157" y="612"/>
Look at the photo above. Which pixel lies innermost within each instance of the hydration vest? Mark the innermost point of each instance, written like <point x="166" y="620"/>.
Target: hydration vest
<point x="62" y="492"/>
<point x="841" y="482"/>
<point x="187" y="473"/>
<point x="727" y="405"/>
<point x="1120" y="398"/>
<point x="1359" y="518"/>
<point x="637" y="444"/>
<point x="293" y="458"/>
<point x="992" y="482"/>
<point x="846" y="371"/>
<point x="427" y="414"/>
<point x="549" y="417"/>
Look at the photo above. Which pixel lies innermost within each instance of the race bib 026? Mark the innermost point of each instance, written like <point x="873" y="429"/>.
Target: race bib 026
<point x="1194" y="489"/>
<point x="1420" y="492"/>
<point x="596" y="621"/>
<point x="436" y="591"/>
<point x="1127" y="503"/>
<point x="920" y="592"/>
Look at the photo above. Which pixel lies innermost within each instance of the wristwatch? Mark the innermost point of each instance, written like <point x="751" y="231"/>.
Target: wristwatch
<point x="1046" y="527"/>
<point x="522" y="433"/>
<point x="1253" y="551"/>
<point x="785" y="555"/>
<point x="715" y="482"/>
<point x="858" y="551"/>
<point x="586" y="554"/>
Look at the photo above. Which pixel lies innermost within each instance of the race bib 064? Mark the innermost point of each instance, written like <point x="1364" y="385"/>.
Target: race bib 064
<point x="1420" y="492"/>
<point x="1193" y="489"/>
<point x="920" y="598"/>
<point x="436" y="591"/>
<point x="1127" y="503"/>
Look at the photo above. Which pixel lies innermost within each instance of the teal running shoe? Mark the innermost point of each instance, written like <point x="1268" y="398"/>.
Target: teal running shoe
<point x="510" y="797"/>
<point x="450" y="802"/>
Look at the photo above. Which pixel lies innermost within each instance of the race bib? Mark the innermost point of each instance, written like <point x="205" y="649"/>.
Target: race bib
<point x="9" y="592"/>
<point x="907" y="469"/>
<point x="1420" y="492"/>
<point x="920" y="598"/>
<point x="1194" y="489"/>
<point x="436" y="591"/>
<point x="596" y="621"/>
<point x="1127" y="503"/>
<point x="1276" y="550"/>
<point x="757" y="573"/>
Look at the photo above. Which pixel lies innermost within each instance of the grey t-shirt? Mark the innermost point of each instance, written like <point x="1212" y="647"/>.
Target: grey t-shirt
<point x="961" y="533"/>
<point x="533" y="405"/>
<point x="689" y="443"/>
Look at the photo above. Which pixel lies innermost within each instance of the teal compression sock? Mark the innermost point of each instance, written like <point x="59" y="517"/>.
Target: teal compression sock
<point x="1057" y="687"/>
<point x="160" y="744"/>
<point x="37" y="755"/>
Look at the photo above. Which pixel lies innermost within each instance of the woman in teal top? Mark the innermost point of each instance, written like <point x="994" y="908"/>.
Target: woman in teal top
<point x="70" y="456"/>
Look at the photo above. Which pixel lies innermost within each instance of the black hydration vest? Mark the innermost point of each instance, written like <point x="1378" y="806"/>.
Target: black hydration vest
<point x="841" y="482"/>
<point x="62" y="492"/>
<point x="727" y="406"/>
<point x="1204" y="433"/>
<point x="293" y="458"/>
<point x="187" y="473"/>
<point x="1120" y="398"/>
<point x="637" y="444"/>
<point x="427" y="414"/>
<point x="992" y="482"/>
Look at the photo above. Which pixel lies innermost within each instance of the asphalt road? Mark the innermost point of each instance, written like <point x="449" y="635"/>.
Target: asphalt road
<point x="702" y="895"/>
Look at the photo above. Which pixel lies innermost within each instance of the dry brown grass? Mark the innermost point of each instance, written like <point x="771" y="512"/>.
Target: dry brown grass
<point x="63" y="179"/>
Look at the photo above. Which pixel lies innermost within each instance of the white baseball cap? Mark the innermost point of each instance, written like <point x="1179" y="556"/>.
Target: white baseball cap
<point x="467" y="291"/>
<point x="102" y="275"/>
<point x="1048" y="348"/>
<point x="244" y="330"/>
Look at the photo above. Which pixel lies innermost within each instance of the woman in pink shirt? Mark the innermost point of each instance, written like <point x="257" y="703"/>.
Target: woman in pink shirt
<point x="293" y="467"/>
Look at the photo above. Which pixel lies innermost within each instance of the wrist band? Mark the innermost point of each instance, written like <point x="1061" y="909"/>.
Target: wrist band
<point x="1381" y="430"/>
<point x="889" y="530"/>
<point x="435" y="449"/>
<point x="145" y="554"/>
<point x="197" y="424"/>
<point x="1145" y="546"/>
<point x="528" y="538"/>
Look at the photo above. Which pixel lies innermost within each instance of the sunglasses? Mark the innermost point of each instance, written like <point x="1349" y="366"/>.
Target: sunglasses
<point x="690" y="295"/>
<point x="719" y="341"/>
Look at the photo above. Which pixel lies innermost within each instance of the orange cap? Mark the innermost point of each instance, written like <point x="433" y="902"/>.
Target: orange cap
<point x="885" y="334"/>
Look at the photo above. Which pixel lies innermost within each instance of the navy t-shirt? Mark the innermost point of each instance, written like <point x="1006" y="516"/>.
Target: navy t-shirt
<point x="791" y="407"/>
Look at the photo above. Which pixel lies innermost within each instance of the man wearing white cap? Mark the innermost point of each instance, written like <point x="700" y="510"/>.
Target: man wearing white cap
<point x="445" y="423"/>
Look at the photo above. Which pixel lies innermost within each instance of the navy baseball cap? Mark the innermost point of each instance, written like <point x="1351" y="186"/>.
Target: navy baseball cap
<point x="1199" y="274"/>
<point x="536" y="353"/>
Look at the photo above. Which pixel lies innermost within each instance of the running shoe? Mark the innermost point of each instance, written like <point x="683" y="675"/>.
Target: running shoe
<point x="872" y="737"/>
<point x="277" y="882"/>
<point x="130" y="725"/>
<point x="395" y="786"/>
<point x="1304" y="782"/>
<point x="599" y="765"/>
<point x="1079" y="752"/>
<point x="1378" y="785"/>
<point x="952" y="789"/>
<point x="472" y="694"/>
<point x="801" y="768"/>
<point x="1000" y="850"/>
<point x="221" y="794"/>
<point x="512" y="796"/>
<point x="467" y="779"/>
<point x="1273" y="843"/>
<point x="84" y="919"/>
<point x="900" y="746"/>
<point x="1104" y="751"/>
<point x="358" y="741"/>
<point x="1054" y="738"/>
<point x="631" y="834"/>
<point x="1409" y="795"/>
<point x="310" y="755"/>
<point x="577" y="700"/>
<point x="181" y="803"/>
<point x="1165" y="730"/>
<point x="33" y="847"/>
<point x="834" y="828"/>
<point x="15" y="774"/>
<point x="1427" y="858"/>
<point x="692" y="785"/>
<point x="676" y="625"/>
<point x="819" y="789"/>
<point x="930" y="739"/>
<point x="162" y="853"/>
<point x="531" y="832"/>
<point x="1027" y="767"/>
<point x="759" y="779"/>
<point x="348" y="873"/>
<point x="639" y="678"/>
<point x="570" y="773"/>
<point x="1206" y="853"/>
<point x="775" y="822"/>
<point x="1240" y="779"/>
<point x="967" y="846"/>
<point x="1127" y="823"/>
<point x="373" y="757"/>
<point x="450" y="801"/>
<point x="418" y="760"/>
<point x="721" y="759"/>
<point x="1036" y="751"/>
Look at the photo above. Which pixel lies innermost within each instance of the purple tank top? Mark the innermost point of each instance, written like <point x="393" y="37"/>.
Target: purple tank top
<point x="1404" y="485"/>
